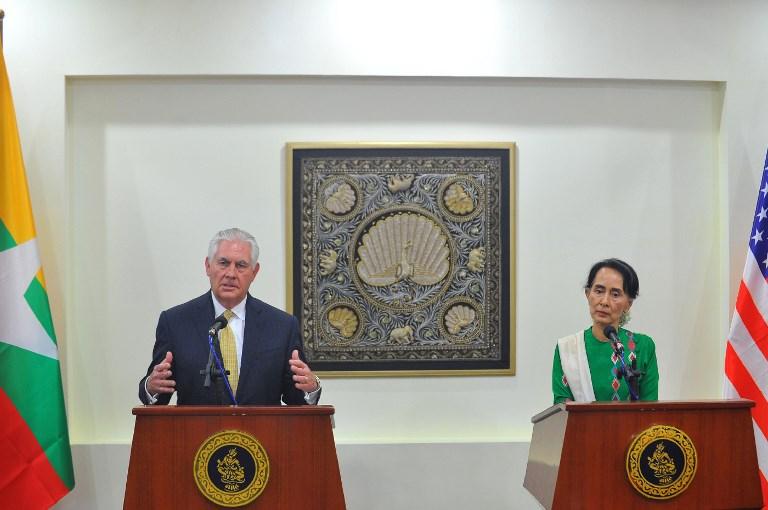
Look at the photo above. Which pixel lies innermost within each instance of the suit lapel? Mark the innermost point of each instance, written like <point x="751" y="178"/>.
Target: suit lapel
<point x="251" y="340"/>
<point x="204" y="316"/>
<point x="197" y="322"/>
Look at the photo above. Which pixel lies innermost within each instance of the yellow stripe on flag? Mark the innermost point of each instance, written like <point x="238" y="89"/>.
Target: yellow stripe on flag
<point x="41" y="278"/>
<point x="15" y="209"/>
<point x="37" y="470"/>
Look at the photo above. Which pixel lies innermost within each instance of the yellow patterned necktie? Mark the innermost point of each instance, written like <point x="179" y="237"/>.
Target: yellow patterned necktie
<point x="229" y="351"/>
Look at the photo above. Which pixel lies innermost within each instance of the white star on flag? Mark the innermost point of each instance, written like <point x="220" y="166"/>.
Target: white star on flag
<point x="758" y="236"/>
<point x="763" y="213"/>
<point x="18" y="324"/>
<point x="765" y="189"/>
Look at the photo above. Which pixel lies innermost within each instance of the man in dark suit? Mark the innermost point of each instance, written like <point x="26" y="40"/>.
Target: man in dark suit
<point x="269" y="350"/>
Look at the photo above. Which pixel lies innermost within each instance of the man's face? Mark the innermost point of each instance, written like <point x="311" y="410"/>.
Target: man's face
<point x="231" y="272"/>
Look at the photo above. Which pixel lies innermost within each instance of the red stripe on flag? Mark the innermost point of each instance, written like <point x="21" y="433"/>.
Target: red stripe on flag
<point x="752" y="319"/>
<point x="27" y="478"/>
<point x="764" y="487"/>
<point x="746" y="387"/>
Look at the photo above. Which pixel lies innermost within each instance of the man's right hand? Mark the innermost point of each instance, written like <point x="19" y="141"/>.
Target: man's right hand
<point x="159" y="381"/>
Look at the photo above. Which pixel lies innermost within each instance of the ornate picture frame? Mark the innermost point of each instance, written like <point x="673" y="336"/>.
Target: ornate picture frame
<point x="401" y="257"/>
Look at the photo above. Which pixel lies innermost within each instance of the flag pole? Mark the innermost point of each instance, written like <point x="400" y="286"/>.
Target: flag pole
<point x="2" y="15"/>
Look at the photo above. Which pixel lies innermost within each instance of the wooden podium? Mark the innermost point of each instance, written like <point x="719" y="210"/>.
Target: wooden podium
<point x="579" y="454"/>
<point x="298" y="441"/>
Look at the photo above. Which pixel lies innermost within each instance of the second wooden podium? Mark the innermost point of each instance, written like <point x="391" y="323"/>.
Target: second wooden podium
<point x="188" y="456"/>
<point x="642" y="455"/>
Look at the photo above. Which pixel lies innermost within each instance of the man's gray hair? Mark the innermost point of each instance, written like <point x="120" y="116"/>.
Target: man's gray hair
<point x="234" y="234"/>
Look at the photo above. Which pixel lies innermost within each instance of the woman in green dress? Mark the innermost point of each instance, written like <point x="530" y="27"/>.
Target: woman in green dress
<point x="586" y="367"/>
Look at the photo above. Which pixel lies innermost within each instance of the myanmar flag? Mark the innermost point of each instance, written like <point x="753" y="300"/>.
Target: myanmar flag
<point x="35" y="458"/>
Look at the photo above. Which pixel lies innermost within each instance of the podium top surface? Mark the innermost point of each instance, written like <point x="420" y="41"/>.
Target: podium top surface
<point x="656" y="405"/>
<point x="643" y="406"/>
<point x="161" y="410"/>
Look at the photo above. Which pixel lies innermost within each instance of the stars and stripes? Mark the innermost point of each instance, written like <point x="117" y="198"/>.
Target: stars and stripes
<point x="746" y="353"/>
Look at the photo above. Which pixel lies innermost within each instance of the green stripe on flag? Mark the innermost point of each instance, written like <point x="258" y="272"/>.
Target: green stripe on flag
<point x="6" y="239"/>
<point x="37" y="298"/>
<point x="40" y="404"/>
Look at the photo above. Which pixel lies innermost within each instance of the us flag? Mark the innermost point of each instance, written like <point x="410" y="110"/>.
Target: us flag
<point x="746" y="353"/>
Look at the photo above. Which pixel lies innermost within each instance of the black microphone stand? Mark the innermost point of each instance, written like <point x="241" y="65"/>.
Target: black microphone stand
<point x="214" y="370"/>
<point x="633" y="376"/>
<point x="630" y="374"/>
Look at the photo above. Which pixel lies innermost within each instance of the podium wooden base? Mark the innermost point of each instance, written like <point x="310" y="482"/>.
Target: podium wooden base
<point x="578" y="454"/>
<point x="304" y="470"/>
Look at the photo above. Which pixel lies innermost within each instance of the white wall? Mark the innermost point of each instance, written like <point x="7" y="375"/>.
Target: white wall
<point x="617" y="156"/>
<point x="158" y="164"/>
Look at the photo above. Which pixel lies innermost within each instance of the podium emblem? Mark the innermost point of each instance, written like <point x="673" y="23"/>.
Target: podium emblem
<point x="661" y="462"/>
<point x="231" y="468"/>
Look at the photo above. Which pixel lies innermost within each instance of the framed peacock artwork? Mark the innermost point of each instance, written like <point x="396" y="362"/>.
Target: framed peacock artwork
<point x="401" y="257"/>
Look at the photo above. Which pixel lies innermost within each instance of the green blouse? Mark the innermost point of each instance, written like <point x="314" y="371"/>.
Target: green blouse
<point x="601" y="368"/>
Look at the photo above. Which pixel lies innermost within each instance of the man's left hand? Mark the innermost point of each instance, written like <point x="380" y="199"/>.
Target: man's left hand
<point x="303" y="377"/>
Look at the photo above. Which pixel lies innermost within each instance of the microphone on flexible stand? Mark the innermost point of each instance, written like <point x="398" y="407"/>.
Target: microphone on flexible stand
<point x="610" y="333"/>
<point x="630" y="374"/>
<point x="214" y="369"/>
<point x="219" y="324"/>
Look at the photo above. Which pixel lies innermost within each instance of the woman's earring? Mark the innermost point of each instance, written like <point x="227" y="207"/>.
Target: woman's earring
<point x="624" y="318"/>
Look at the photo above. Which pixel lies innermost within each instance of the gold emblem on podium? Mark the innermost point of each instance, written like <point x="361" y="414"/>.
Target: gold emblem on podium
<point x="231" y="468"/>
<point x="661" y="462"/>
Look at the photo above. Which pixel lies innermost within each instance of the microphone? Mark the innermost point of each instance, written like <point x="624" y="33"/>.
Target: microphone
<point x="631" y="374"/>
<point x="219" y="323"/>
<point x="610" y="332"/>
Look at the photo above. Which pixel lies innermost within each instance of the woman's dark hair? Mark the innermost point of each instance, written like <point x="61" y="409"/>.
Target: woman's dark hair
<point x="631" y="283"/>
